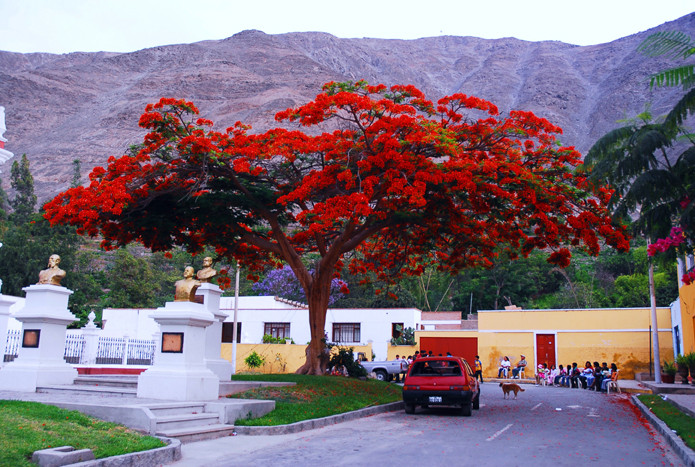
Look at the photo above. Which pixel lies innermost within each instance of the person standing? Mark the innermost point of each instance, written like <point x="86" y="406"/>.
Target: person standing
<point x="478" y="368"/>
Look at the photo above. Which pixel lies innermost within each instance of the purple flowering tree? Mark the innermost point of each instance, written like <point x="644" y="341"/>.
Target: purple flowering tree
<point x="283" y="283"/>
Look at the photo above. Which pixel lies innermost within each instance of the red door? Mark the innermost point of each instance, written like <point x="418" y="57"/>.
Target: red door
<point x="466" y="347"/>
<point x="545" y="349"/>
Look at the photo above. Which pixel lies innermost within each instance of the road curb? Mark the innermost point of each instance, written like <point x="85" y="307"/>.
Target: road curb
<point x="686" y="454"/>
<point x="159" y="456"/>
<point x="318" y="422"/>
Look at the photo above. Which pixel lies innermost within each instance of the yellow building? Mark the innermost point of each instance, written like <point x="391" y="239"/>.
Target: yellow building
<point x="684" y="314"/>
<point x="617" y="335"/>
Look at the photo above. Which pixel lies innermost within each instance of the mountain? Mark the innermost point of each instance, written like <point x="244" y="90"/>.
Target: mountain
<point x="86" y="105"/>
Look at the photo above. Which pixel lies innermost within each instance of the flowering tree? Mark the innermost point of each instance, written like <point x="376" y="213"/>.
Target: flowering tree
<point x="283" y="283"/>
<point x="393" y="185"/>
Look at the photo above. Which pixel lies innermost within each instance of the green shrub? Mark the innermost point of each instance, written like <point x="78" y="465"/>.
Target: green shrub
<point x="346" y="357"/>
<point x="254" y="360"/>
<point x="268" y="339"/>
<point x="407" y="336"/>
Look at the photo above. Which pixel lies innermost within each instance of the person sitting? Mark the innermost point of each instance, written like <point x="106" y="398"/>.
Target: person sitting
<point x="551" y="375"/>
<point x="574" y="376"/>
<point x="612" y="377"/>
<point x="566" y="379"/>
<point x="541" y="373"/>
<point x="521" y="364"/>
<point x="596" y="381"/>
<point x="505" y="365"/>
<point x="587" y="375"/>
<point x="558" y="377"/>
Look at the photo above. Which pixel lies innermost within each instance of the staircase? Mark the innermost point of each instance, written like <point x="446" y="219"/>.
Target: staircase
<point x="185" y="421"/>
<point x="107" y="385"/>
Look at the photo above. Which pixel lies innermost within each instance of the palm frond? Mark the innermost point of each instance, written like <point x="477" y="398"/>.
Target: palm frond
<point x="608" y="143"/>
<point x="681" y="110"/>
<point x="673" y="44"/>
<point x="682" y="75"/>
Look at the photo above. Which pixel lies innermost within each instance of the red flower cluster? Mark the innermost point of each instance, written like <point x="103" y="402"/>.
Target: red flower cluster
<point x="688" y="278"/>
<point x="403" y="181"/>
<point x="676" y="238"/>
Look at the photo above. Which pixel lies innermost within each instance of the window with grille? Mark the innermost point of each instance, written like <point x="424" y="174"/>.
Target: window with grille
<point x="277" y="330"/>
<point x="346" y="332"/>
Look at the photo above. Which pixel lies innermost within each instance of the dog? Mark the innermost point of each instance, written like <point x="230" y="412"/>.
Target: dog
<point x="509" y="387"/>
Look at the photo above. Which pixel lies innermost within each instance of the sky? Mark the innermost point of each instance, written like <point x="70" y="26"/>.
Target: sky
<point x="63" y="26"/>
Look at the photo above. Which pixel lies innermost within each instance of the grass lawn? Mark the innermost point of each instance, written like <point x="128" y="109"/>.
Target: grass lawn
<point x="30" y="426"/>
<point x="683" y="424"/>
<point x="315" y="397"/>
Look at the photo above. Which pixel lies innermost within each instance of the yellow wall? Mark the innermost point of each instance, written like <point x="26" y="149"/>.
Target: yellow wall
<point x="279" y="358"/>
<point x="619" y="336"/>
<point x="401" y="350"/>
<point x="687" y="298"/>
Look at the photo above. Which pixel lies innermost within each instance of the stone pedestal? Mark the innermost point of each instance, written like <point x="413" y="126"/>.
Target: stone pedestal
<point x="40" y="361"/>
<point x="179" y="371"/>
<point x="213" y="333"/>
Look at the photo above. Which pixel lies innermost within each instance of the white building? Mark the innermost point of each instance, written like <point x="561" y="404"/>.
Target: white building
<point x="281" y="318"/>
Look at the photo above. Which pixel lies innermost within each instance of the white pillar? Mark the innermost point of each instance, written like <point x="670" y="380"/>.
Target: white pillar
<point x="91" y="341"/>
<point x="213" y="333"/>
<point x="40" y="362"/>
<point x="179" y="371"/>
<point x="680" y="271"/>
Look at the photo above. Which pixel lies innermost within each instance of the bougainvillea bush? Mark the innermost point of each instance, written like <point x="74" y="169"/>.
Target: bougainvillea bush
<point x="373" y="178"/>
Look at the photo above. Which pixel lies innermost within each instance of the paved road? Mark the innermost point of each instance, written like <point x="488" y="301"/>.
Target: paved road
<point x="545" y="426"/>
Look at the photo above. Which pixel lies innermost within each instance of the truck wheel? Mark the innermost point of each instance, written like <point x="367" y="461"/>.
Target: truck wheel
<point x="410" y="408"/>
<point x="466" y="410"/>
<point x="476" y="402"/>
<point x="381" y="375"/>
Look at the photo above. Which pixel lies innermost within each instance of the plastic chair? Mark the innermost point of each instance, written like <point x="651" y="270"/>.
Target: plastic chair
<point x="613" y="383"/>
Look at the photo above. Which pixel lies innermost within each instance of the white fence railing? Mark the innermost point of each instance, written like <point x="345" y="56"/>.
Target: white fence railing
<point x="11" y="345"/>
<point x="109" y="350"/>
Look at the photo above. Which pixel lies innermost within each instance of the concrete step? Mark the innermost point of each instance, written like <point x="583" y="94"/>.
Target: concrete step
<point x="199" y="433"/>
<point x="110" y="381"/>
<point x="176" y="408"/>
<point x="186" y="421"/>
<point x="93" y="390"/>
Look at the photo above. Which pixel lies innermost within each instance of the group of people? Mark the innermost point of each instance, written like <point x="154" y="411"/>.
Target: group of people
<point x="409" y="359"/>
<point x="506" y="367"/>
<point x="592" y="376"/>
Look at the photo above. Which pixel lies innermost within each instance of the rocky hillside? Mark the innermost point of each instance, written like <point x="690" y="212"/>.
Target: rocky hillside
<point x="86" y="105"/>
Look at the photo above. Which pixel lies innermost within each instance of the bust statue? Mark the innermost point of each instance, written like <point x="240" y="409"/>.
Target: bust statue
<point x="186" y="287"/>
<point x="207" y="273"/>
<point x="53" y="274"/>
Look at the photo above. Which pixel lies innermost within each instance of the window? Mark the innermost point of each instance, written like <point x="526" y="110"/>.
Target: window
<point x="396" y="330"/>
<point x="277" y="330"/>
<point x="346" y="332"/>
<point x="228" y="332"/>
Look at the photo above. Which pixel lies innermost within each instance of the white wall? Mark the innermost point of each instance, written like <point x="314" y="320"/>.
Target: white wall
<point x="254" y="312"/>
<point x="131" y="322"/>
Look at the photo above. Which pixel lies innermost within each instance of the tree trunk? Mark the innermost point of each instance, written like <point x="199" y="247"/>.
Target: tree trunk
<point x="317" y="355"/>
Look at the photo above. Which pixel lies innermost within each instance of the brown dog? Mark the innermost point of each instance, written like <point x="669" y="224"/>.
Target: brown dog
<point x="509" y="387"/>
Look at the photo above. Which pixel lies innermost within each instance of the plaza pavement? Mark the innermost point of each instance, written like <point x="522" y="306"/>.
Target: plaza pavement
<point x="199" y="453"/>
